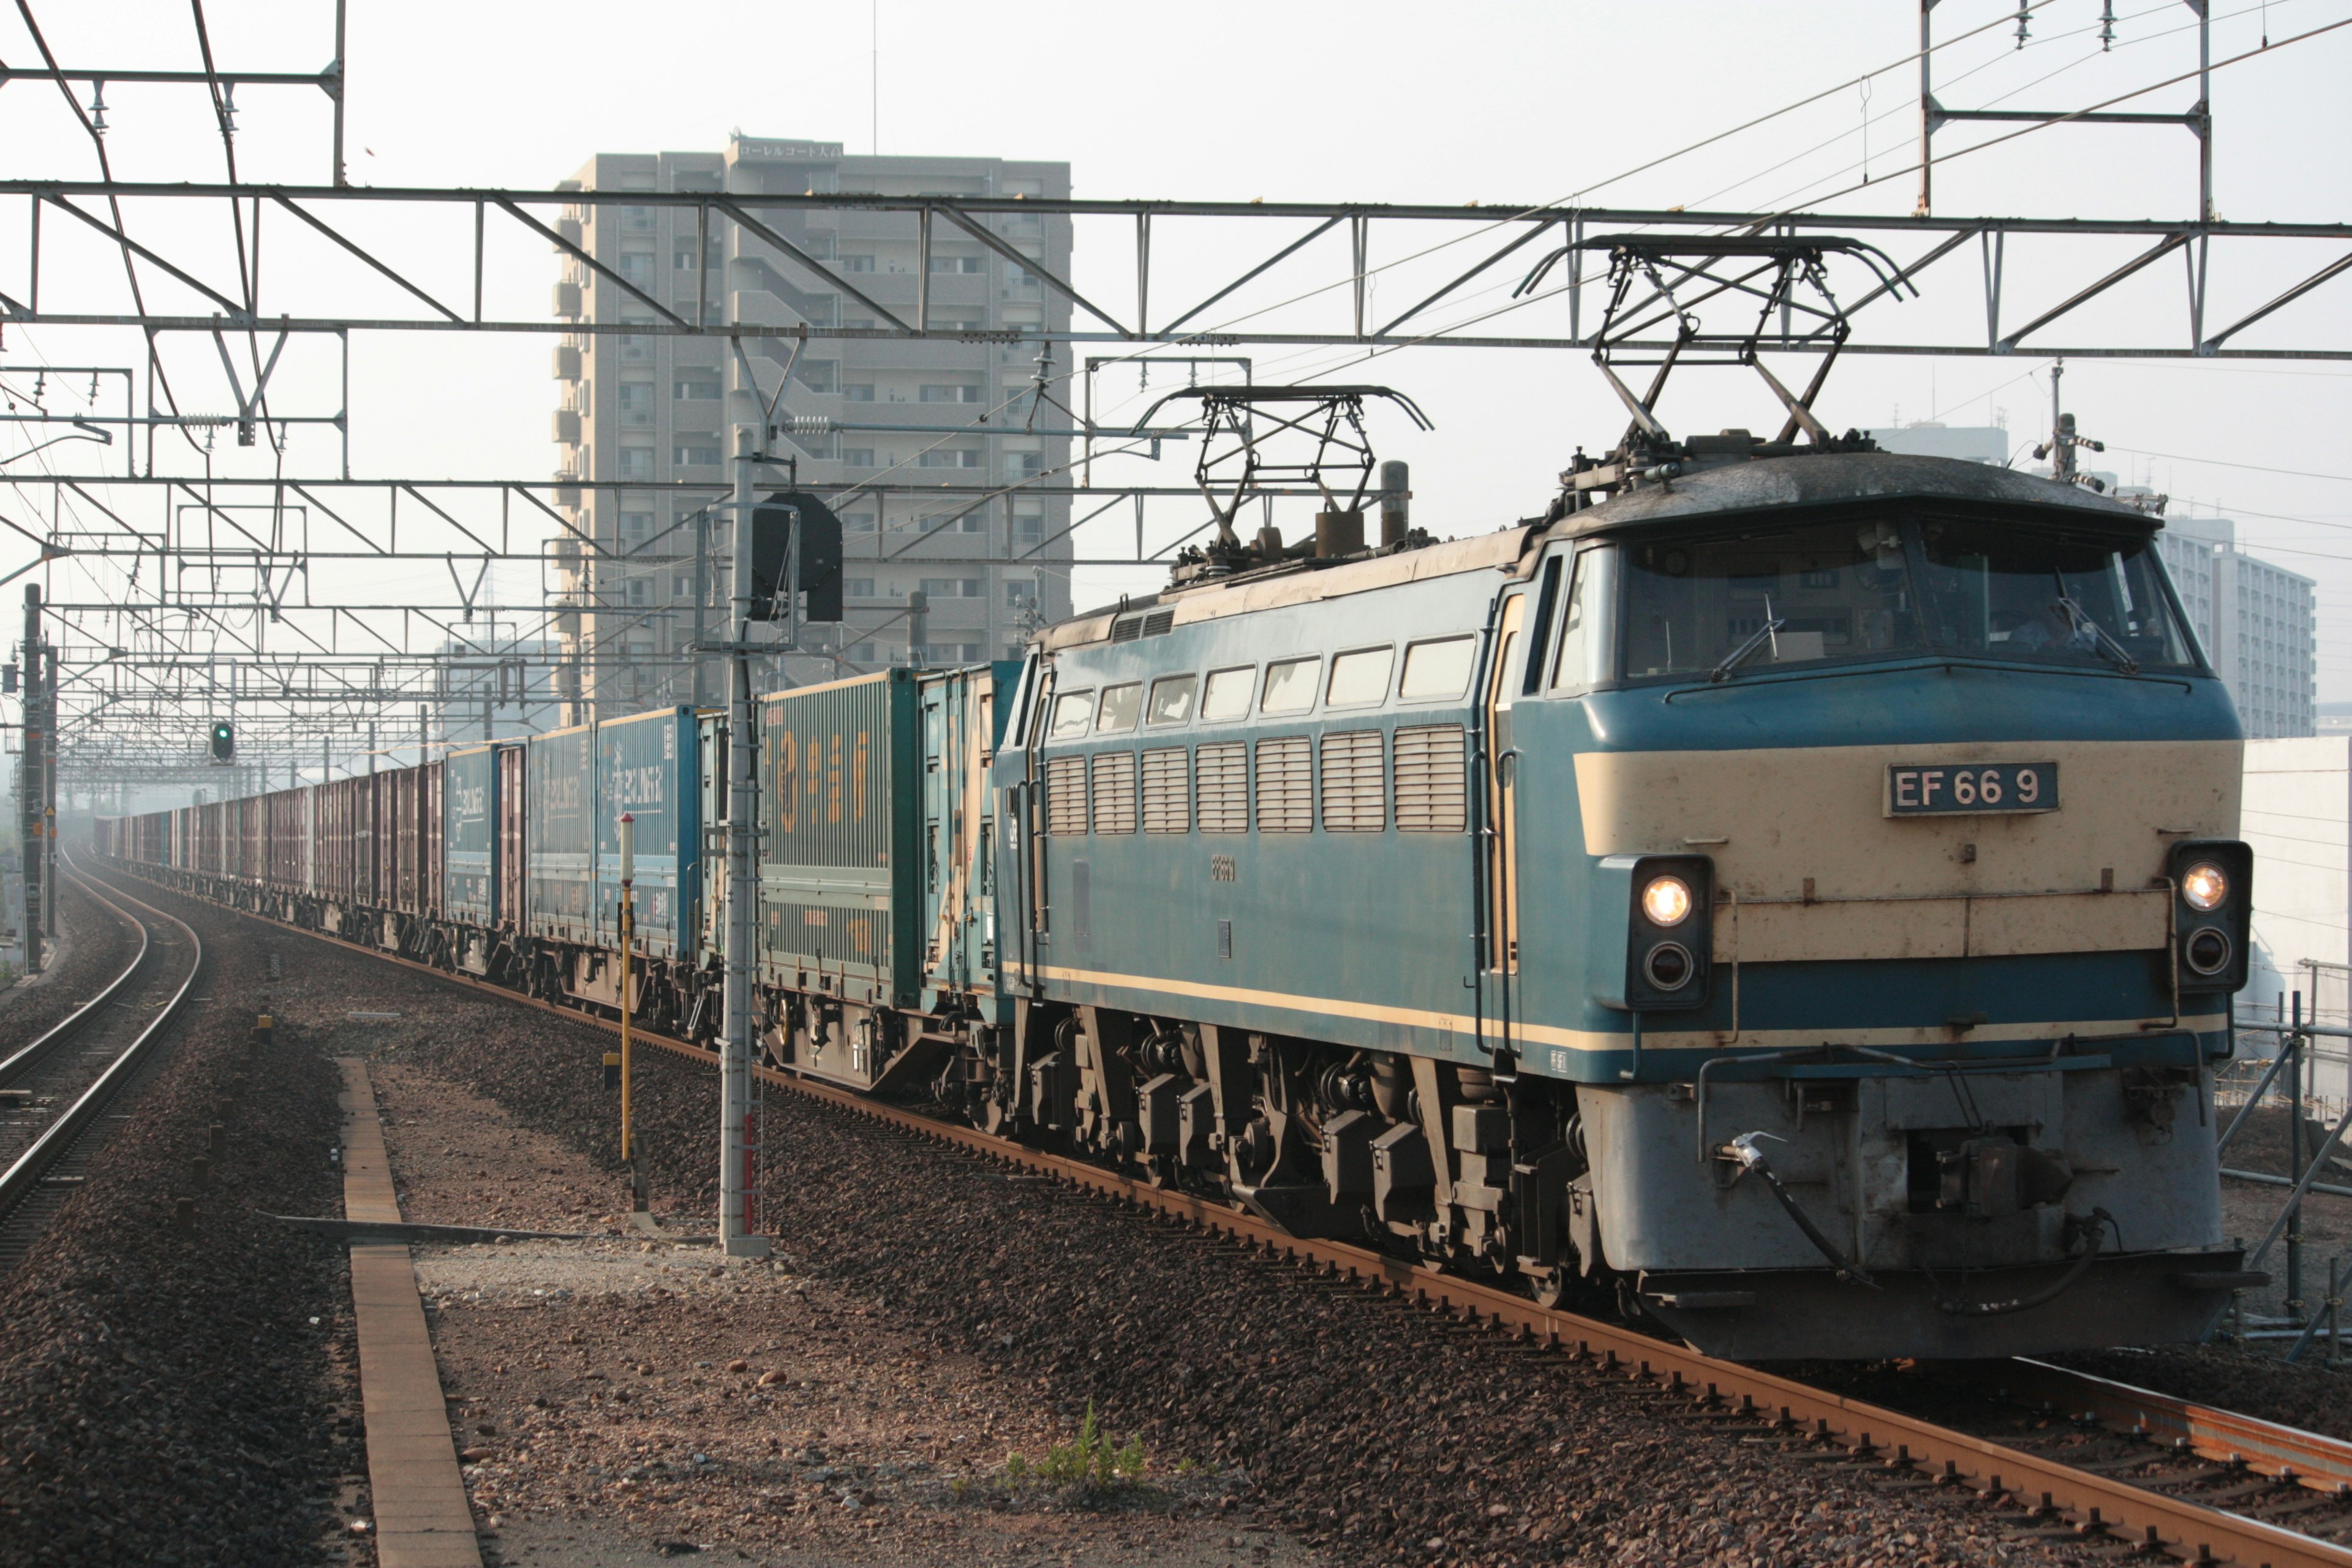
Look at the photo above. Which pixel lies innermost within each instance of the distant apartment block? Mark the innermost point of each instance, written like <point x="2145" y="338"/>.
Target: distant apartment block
<point x="1968" y="443"/>
<point x="941" y="417"/>
<point x="2258" y="622"/>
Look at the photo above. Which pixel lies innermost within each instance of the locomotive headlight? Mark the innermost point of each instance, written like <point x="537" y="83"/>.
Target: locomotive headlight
<point x="1666" y="900"/>
<point x="2204" y="886"/>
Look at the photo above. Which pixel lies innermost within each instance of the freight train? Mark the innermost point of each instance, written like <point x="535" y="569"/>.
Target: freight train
<point x="1794" y="888"/>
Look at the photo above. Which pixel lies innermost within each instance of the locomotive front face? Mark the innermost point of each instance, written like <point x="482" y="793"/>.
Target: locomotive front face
<point x="1881" y="894"/>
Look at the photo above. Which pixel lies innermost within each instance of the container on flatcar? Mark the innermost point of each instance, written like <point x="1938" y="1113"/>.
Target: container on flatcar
<point x="469" y="811"/>
<point x="646" y="765"/>
<point x="246" y="814"/>
<point x="839" y="874"/>
<point x="560" y="835"/>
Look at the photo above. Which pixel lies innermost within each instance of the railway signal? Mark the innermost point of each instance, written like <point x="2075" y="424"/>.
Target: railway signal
<point x="224" y="741"/>
<point x="792" y="556"/>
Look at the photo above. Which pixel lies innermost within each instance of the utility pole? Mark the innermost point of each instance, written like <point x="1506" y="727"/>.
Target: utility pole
<point x="49" y="793"/>
<point x="736" y="1142"/>
<point x="701" y="598"/>
<point x="628" y="1004"/>
<point x="28" y="785"/>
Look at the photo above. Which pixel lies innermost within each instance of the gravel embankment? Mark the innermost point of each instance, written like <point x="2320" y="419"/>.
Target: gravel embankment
<point x="1373" y="1432"/>
<point x="170" y="1396"/>
<point x="95" y="948"/>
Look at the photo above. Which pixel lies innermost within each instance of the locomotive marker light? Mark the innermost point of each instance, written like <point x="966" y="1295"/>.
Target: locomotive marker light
<point x="1666" y="900"/>
<point x="2212" y="882"/>
<point x="1667" y="944"/>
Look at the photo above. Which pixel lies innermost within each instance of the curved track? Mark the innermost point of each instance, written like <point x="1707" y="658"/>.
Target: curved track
<point x="57" y="1092"/>
<point x="2202" y="1475"/>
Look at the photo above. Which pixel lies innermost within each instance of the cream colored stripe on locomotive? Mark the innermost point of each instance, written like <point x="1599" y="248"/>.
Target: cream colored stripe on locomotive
<point x="1982" y="927"/>
<point x="1790" y="823"/>
<point x="1599" y="1040"/>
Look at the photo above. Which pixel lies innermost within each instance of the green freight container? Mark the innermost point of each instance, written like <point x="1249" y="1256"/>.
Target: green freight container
<point x="840" y="868"/>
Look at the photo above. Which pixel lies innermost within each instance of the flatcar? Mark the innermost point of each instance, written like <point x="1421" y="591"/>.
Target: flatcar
<point x="1799" y="894"/>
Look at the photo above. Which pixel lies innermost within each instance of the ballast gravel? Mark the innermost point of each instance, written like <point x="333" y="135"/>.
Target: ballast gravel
<point x="170" y="1396"/>
<point x="1340" y="1426"/>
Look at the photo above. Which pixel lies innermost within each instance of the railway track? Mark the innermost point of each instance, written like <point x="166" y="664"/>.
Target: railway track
<point x="2098" y="1463"/>
<point x="59" y="1091"/>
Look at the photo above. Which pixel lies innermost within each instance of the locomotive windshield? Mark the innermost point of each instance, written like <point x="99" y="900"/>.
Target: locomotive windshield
<point x="1896" y="587"/>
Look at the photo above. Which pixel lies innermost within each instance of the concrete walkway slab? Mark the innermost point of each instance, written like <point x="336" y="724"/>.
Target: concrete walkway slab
<point x="422" y="1517"/>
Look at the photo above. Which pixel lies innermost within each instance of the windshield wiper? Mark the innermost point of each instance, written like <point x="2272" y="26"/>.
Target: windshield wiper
<point x="2083" y="619"/>
<point x="1746" y="650"/>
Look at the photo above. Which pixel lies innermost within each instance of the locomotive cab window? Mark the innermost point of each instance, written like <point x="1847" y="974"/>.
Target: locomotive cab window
<point x="1792" y="595"/>
<point x="2009" y="591"/>
<point x="1437" y="669"/>
<point x="1121" y="706"/>
<point x="1359" y="679"/>
<point x="1073" y="712"/>
<point x="1228" y="695"/>
<point x="1289" y="686"/>
<point x="1172" y="700"/>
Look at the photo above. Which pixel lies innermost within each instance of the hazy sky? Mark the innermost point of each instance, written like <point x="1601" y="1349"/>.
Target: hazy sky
<point x="1508" y="105"/>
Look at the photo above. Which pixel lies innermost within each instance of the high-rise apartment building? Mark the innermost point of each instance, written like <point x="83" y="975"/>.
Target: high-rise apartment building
<point x="2258" y="622"/>
<point x="925" y="443"/>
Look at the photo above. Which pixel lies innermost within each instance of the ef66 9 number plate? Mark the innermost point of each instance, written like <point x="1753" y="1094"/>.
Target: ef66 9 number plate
<point x="1944" y="789"/>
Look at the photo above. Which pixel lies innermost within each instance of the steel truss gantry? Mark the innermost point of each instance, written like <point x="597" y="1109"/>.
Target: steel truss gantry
<point x="1320" y="275"/>
<point x="322" y="595"/>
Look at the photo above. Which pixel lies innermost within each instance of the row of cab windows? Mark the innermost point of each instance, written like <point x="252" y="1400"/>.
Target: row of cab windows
<point x="1412" y="779"/>
<point x="1434" y="671"/>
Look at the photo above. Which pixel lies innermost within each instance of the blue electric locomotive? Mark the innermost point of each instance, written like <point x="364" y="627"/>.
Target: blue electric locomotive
<point x="1803" y="891"/>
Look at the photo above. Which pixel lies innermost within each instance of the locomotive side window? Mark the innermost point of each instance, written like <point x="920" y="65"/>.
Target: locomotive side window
<point x="1583" y="637"/>
<point x="2012" y="591"/>
<point x="1289" y="686"/>
<point x="1359" y="679"/>
<point x="1228" y="695"/>
<point x="1437" y="669"/>
<point x="1172" y="700"/>
<point x="1798" y="596"/>
<point x="1073" y="712"/>
<point x="1121" y="706"/>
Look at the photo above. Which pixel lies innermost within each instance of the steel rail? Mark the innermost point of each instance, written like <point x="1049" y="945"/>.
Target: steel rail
<point x="23" y="1178"/>
<point x="2264" y="1448"/>
<point x="2095" y="1507"/>
<point x="25" y="1061"/>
